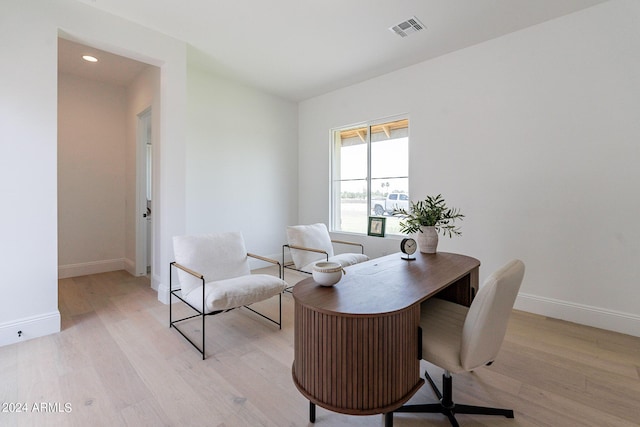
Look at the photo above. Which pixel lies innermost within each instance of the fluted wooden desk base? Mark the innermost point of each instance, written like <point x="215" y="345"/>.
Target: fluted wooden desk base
<point x="357" y="365"/>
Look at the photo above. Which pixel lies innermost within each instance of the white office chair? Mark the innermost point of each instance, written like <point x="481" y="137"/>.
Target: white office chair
<point x="460" y="339"/>
<point x="215" y="277"/>
<point x="309" y="244"/>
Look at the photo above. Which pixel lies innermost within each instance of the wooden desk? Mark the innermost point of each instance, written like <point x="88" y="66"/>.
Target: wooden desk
<point x="356" y="344"/>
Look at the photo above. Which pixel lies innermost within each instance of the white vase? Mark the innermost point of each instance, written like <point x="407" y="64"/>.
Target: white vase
<point x="428" y="240"/>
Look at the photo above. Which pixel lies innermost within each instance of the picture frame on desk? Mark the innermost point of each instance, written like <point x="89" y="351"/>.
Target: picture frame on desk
<point x="376" y="226"/>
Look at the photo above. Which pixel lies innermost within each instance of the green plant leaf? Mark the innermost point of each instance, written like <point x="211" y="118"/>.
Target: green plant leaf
<point x="432" y="211"/>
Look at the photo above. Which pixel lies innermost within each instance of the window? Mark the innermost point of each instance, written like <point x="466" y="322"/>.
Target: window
<point x="370" y="174"/>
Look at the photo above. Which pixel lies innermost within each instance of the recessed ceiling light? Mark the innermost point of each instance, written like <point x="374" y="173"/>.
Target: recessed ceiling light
<point x="89" y="58"/>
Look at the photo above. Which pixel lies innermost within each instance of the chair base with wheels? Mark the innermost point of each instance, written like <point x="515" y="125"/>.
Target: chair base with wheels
<point x="447" y="406"/>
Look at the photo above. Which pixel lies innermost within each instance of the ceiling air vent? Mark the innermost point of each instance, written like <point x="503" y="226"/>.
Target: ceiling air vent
<point x="407" y="27"/>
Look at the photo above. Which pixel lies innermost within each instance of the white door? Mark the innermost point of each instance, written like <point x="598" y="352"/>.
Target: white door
<point x="144" y="235"/>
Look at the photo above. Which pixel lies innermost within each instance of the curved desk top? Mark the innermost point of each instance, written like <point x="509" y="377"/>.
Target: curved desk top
<point x="385" y="285"/>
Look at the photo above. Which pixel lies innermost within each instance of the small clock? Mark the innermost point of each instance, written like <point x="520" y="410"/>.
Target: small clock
<point x="408" y="247"/>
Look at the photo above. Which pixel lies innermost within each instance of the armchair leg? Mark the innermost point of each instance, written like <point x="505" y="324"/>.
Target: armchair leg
<point x="174" y="323"/>
<point x="280" y="311"/>
<point x="447" y="407"/>
<point x="203" y="334"/>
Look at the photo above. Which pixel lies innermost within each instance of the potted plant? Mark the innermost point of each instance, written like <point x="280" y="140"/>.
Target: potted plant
<point x="429" y="217"/>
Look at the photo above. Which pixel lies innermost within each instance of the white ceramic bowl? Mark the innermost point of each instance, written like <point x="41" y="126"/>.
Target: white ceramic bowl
<point x="327" y="273"/>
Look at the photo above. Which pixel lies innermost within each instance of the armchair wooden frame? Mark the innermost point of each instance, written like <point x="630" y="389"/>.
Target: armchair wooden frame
<point x="201" y="313"/>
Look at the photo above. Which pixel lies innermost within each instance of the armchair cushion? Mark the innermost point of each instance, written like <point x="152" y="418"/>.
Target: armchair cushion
<point x="236" y="292"/>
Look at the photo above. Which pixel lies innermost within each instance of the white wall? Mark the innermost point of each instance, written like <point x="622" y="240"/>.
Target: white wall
<point x="534" y="135"/>
<point x="28" y="218"/>
<point x="91" y="176"/>
<point x="28" y="138"/>
<point x="241" y="161"/>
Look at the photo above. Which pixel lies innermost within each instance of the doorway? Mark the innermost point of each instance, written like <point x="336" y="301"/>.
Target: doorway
<point x="105" y="156"/>
<point x="144" y="225"/>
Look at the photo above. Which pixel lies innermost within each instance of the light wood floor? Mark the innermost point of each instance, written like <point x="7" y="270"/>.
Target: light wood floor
<point x="116" y="363"/>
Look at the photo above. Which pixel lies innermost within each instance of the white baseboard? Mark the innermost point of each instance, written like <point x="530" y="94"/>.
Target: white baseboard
<point x="163" y="293"/>
<point x="610" y="320"/>
<point x="29" y="328"/>
<point x="94" y="267"/>
<point x="130" y="266"/>
<point x="155" y="282"/>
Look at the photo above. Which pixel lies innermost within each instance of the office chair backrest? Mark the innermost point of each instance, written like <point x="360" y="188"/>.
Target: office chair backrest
<point x="486" y="322"/>
<point x="216" y="256"/>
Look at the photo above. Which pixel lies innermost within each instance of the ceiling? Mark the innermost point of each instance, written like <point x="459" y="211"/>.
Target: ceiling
<point x="110" y="68"/>
<point x="298" y="49"/>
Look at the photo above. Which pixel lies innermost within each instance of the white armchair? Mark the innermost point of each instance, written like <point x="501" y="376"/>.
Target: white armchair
<point x="309" y="244"/>
<point x="215" y="277"/>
